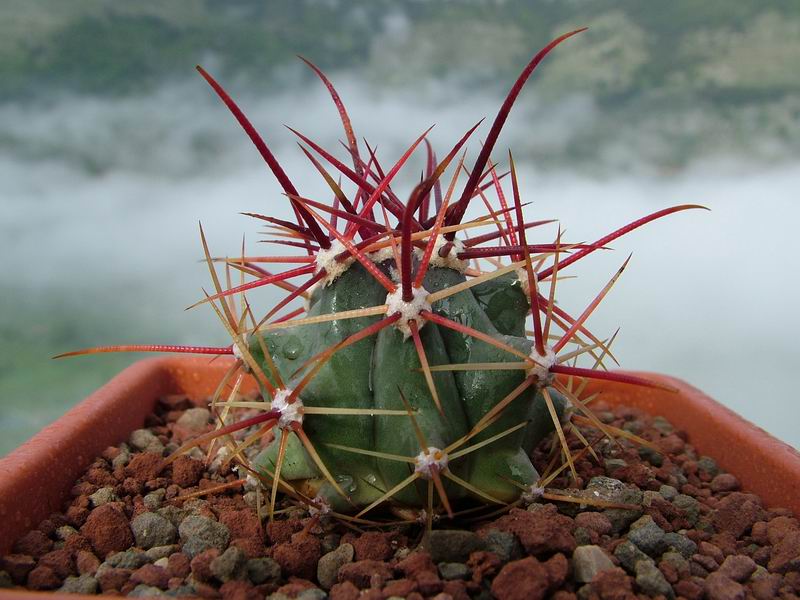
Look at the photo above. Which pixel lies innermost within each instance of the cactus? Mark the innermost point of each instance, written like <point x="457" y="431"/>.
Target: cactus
<point x="409" y="374"/>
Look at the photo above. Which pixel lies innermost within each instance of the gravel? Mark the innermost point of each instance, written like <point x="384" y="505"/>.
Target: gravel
<point x="647" y="536"/>
<point x="84" y="584"/>
<point x="103" y="496"/>
<point x="453" y="570"/>
<point x="128" y="532"/>
<point x="588" y="561"/>
<point x="651" y="581"/>
<point x="229" y="565"/>
<point x="145" y="591"/>
<point x="629" y="556"/>
<point x="262" y="570"/>
<point x="129" y="559"/>
<point x="452" y="545"/>
<point x="200" y="533"/>
<point x="151" y="530"/>
<point x="680" y="543"/>
<point x="146" y="441"/>
<point x="330" y="563"/>
<point x="502" y="543"/>
<point x="195" y="419"/>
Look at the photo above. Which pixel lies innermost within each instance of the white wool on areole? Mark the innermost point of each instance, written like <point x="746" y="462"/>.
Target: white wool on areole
<point x="291" y="414"/>
<point x="543" y="363"/>
<point x="382" y="255"/>
<point x="319" y="506"/>
<point x="429" y="461"/>
<point x="326" y="259"/>
<point x="408" y="311"/>
<point x="532" y="494"/>
<point x="450" y="260"/>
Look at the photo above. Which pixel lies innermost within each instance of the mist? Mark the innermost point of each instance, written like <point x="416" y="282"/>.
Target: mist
<point x="101" y="200"/>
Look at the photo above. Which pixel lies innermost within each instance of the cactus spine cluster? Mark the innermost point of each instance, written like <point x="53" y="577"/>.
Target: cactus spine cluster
<point x="408" y="377"/>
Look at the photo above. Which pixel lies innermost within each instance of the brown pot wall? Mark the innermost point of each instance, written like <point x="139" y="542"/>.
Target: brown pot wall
<point x="36" y="478"/>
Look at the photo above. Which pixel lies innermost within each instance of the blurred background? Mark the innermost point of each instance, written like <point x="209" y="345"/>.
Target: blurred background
<point x="112" y="149"/>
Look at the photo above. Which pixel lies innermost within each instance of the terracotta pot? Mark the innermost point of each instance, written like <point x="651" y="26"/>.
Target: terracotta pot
<point x="36" y="478"/>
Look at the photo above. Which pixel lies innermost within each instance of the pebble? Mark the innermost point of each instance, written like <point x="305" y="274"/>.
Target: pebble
<point x="690" y="506"/>
<point x="151" y="530"/>
<point x="229" y="565"/>
<point x="708" y="465"/>
<point x="736" y="513"/>
<point x="585" y="537"/>
<point x="201" y="533"/>
<point x="108" y="530"/>
<point x="130" y="559"/>
<point x="720" y="587"/>
<point x="654" y="457"/>
<point x="187" y="471"/>
<point x="34" y="543"/>
<point x="541" y="533"/>
<point x="146" y="441"/>
<point x="502" y="543"/>
<point x="452" y="545"/>
<point x="680" y="543"/>
<point x="524" y="579"/>
<point x="154" y="499"/>
<point x="83" y="584"/>
<point x="330" y="542"/>
<point x="145" y="591"/>
<point x="647" y="536"/>
<point x="194" y="419"/>
<point x="662" y="425"/>
<point x="677" y="560"/>
<point x="262" y="570"/>
<point x="595" y="521"/>
<point x="43" y="578"/>
<point x="65" y="531"/>
<point x="613" y="490"/>
<point x="311" y="594"/>
<point x="121" y="459"/>
<point x="612" y="464"/>
<point x="649" y="496"/>
<point x="738" y="567"/>
<point x="724" y="482"/>
<point x="651" y="581"/>
<point x="588" y="561"/>
<point x="629" y="556"/>
<point x="159" y="552"/>
<point x="174" y="514"/>
<point x="785" y="554"/>
<point x="329" y="565"/>
<point x="766" y="588"/>
<point x="103" y="496"/>
<point x="668" y="492"/>
<point x="365" y="573"/>
<point x="453" y="570"/>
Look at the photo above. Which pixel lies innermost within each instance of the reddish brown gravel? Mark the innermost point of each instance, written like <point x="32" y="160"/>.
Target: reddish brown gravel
<point x="689" y="532"/>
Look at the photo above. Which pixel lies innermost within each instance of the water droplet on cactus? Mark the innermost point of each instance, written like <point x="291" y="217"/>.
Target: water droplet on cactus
<point x="292" y="348"/>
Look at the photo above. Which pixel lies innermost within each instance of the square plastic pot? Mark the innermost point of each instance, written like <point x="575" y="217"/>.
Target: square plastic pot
<point x="36" y="479"/>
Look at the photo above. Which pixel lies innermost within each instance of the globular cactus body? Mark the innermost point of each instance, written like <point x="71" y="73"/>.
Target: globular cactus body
<point x="374" y="372"/>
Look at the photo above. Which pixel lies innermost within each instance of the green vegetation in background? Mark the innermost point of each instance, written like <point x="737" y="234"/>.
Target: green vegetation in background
<point x="665" y="82"/>
<point x="107" y="47"/>
<point x="35" y="390"/>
